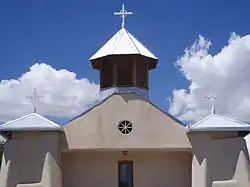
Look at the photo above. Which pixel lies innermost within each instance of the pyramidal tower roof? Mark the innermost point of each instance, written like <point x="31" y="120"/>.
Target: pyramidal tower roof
<point x="122" y="43"/>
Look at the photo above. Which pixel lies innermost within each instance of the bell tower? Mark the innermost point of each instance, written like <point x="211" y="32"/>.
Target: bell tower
<point x="123" y="61"/>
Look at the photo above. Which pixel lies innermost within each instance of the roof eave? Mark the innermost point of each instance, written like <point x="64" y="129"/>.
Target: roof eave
<point x="95" y="62"/>
<point x="218" y="129"/>
<point x="31" y="129"/>
<point x="93" y="58"/>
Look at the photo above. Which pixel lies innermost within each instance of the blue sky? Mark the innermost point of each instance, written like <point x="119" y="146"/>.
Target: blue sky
<point x="64" y="34"/>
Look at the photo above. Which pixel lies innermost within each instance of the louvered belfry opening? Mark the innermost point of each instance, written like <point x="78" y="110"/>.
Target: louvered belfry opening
<point x="124" y="71"/>
<point x="141" y="73"/>
<point x="107" y="73"/>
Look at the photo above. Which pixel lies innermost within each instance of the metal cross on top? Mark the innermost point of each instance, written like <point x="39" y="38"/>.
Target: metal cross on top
<point x="123" y="13"/>
<point x="212" y="98"/>
<point x="34" y="97"/>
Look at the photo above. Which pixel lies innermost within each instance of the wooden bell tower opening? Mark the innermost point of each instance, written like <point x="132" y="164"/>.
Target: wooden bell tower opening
<point x="124" y="71"/>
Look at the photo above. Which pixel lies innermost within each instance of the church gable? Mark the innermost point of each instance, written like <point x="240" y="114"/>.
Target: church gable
<point x="125" y="121"/>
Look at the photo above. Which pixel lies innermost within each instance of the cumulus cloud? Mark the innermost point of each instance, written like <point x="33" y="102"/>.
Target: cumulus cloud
<point x="225" y="75"/>
<point x="63" y="94"/>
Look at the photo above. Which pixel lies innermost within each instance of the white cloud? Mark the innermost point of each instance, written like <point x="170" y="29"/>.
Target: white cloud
<point x="225" y="75"/>
<point x="63" y="94"/>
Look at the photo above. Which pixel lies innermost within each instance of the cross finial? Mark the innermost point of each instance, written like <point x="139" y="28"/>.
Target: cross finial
<point x="123" y="13"/>
<point x="34" y="97"/>
<point x="212" y="98"/>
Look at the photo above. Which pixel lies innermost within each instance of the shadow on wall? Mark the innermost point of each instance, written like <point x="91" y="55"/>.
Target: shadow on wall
<point x="225" y="156"/>
<point x="64" y="146"/>
<point x="21" y="169"/>
<point x="222" y="154"/>
<point x="29" y="158"/>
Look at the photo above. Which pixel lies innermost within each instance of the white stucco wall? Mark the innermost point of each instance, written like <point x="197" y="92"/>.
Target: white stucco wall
<point x="247" y="139"/>
<point x="151" y="169"/>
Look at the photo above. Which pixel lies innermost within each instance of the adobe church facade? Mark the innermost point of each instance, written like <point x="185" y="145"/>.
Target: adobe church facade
<point x="124" y="140"/>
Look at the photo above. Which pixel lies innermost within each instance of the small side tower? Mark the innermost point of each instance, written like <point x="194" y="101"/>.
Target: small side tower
<point x="123" y="61"/>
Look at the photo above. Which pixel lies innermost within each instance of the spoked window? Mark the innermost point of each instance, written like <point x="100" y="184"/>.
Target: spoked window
<point x="125" y="127"/>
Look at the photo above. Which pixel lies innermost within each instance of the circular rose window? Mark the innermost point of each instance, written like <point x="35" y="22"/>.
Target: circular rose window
<point x="125" y="127"/>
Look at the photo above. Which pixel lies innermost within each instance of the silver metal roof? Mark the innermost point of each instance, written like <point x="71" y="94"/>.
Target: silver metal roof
<point x="122" y="43"/>
<point x="215" y="122"/>
<point x="30" y="122"/>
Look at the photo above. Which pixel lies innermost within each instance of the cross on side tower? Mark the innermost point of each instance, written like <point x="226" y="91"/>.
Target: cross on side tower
<point x="34" y="97"/>
<point x="123" y="13"/>
<point x="212" y="98"/>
